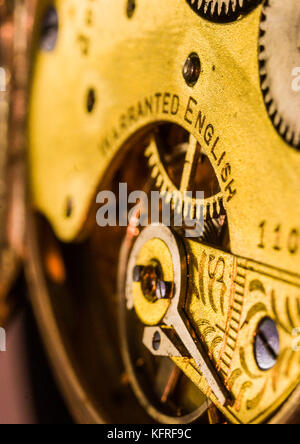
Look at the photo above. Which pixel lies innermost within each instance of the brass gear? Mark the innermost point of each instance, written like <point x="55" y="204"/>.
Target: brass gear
<point x="210" y="207"/>
<point x="222" y="10"/>
<point x="279" y="56"/>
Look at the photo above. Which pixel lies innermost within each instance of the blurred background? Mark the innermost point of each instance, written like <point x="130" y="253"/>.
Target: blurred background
<point x="28" y="392"/>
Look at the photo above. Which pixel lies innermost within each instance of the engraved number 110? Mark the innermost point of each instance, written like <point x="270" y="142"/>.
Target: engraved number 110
<point x="291" y="243"/>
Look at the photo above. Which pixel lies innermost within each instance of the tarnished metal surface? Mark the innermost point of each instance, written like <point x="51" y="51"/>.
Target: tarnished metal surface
<point x="232" y="296"/>
<point x="280" y="57"/>
<point x="248" y="155"/>
<point x="112" y="73"/>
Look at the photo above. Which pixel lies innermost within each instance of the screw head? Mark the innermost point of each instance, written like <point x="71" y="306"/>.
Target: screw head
<point x="156" y="341"/>
<point x="49" y="31"/>
<point x="153" y="287"/>
<point x="266" y="344"/>
<point x="192" y="69"/>
<point x="163" y="289"/>
<point x="137" y="273"/>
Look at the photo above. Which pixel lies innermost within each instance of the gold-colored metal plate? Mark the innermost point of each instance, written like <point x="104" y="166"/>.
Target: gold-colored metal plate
<point x="228" y="298"/>
<point x="69" y="155"/>
<point x="135" y="68"/>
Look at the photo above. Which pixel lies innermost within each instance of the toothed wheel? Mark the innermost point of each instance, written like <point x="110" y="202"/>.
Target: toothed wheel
<point x="279" y="58"/>
<point x="192" y="167"/>
<point x="222" y="10"/>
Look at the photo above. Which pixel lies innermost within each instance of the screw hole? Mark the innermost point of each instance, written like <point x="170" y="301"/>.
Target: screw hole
<point x="69" y="208"/>
<point x="192" y="69"/>
<point x="91" y="100"/>
<point x="130" y="9"/>
<point x="49" y="31"/>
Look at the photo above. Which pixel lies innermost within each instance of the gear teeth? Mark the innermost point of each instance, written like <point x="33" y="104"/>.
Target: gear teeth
<point x="191" y="212"/>
<point x="159" y="181"/>
<point x="263" y="71"/>
<point x="152" y="161"/>
<point x="276" y="117"/>
<point x="168" y="197"/>
<point x="273" y="110"/>
<point x="199" y="210"/>
<point x="155" y="172"/>
<point x="186" y="208"/>
<point x="163" y="189"/>
<point x="261" y="56"/>
<point x="268" y="98"/>
<point x="149" y="152"/>
<point x="222" y="9"/>
<point x="191" y="208"/>
<point x="287" y="127"/>
<point x="265" y="87"/>
<point x="290" y="135"/>
<point x="178" y="206"/>
<point x="205" y="7"/>
<point x="177" y="202"/>
<point x="282" y="128"/>
<point x="263" y="26"/>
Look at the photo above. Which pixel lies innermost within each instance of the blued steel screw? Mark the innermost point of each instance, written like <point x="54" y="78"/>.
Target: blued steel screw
<point x="156" y="341"/>
<point x="192" y="69"/>
<point x="266" y="344"/>
<point x="49" y="32"/>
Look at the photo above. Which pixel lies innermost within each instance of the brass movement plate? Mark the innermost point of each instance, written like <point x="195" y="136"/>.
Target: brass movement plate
<point x="134" y="67"/>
